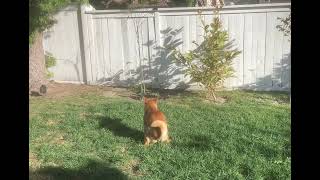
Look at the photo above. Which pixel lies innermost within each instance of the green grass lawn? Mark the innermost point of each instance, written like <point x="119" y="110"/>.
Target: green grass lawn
<point x="90" y="136"/>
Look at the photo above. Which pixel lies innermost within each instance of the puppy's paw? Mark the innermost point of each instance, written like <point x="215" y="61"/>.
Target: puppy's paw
<point x="168" y="140"/>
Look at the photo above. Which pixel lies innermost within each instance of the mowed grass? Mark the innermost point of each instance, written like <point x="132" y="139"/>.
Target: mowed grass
<point x="90" y="136"/>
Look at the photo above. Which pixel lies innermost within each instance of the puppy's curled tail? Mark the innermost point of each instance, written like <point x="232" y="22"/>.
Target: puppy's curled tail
<point x="163" y="129"/>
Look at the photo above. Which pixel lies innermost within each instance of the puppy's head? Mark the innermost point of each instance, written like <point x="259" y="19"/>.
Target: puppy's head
<point x="150" y="103"/>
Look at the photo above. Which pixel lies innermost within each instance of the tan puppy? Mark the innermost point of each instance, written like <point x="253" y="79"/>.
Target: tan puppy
<point x="155" y="123"/>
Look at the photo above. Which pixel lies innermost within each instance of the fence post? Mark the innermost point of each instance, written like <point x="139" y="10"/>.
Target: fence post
<point x="85" y="29"/>
<point x="157" y="25"/>
<point x="81" y="43"/>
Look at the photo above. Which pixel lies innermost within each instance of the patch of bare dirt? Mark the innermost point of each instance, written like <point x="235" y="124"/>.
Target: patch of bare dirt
<point x="33" y="161"/>
<point x="109" y="93"/>
<point x="57" y="90"/>
<point x="219" y="100"/>
<point x="58" y="140"/>
<point x="120" y="92"/>
<point x="52" y="138"/>
<point x="132" y="167"/>
<point x="51" y="122"/>
<point x="60" y="90"/>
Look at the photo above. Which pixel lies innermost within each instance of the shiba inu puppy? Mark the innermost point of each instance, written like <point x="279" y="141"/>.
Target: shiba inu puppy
<point x="155" y="123"/>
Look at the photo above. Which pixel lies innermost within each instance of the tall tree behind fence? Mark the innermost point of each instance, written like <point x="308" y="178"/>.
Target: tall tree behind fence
<point x="124" y="47"/>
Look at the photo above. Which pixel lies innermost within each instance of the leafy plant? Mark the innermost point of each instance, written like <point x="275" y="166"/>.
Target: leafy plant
<point x="50" y="62"/>
<point x="211" y="62"/>
<point x="285" y="27"/>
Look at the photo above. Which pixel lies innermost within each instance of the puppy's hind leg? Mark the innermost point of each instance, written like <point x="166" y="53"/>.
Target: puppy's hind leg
<point x="146" y="141"/>
<point x="167" y="140"/>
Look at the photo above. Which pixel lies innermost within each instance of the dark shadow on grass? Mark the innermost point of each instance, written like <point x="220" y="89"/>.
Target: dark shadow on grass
<point x="93" y="170"/>
<point x="120" y="129"/>
<point x="245" y="170"/>
<point x="199" y="143"/>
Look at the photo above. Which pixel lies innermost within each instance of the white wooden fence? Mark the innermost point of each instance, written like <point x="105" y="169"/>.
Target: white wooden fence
<point x="118" y="47"/>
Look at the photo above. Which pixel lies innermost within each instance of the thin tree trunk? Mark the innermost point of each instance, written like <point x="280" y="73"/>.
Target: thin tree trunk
<point x="37" y="70"/>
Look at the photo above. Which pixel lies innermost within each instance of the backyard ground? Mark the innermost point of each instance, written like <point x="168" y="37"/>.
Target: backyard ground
<point x="89" y="132"/>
